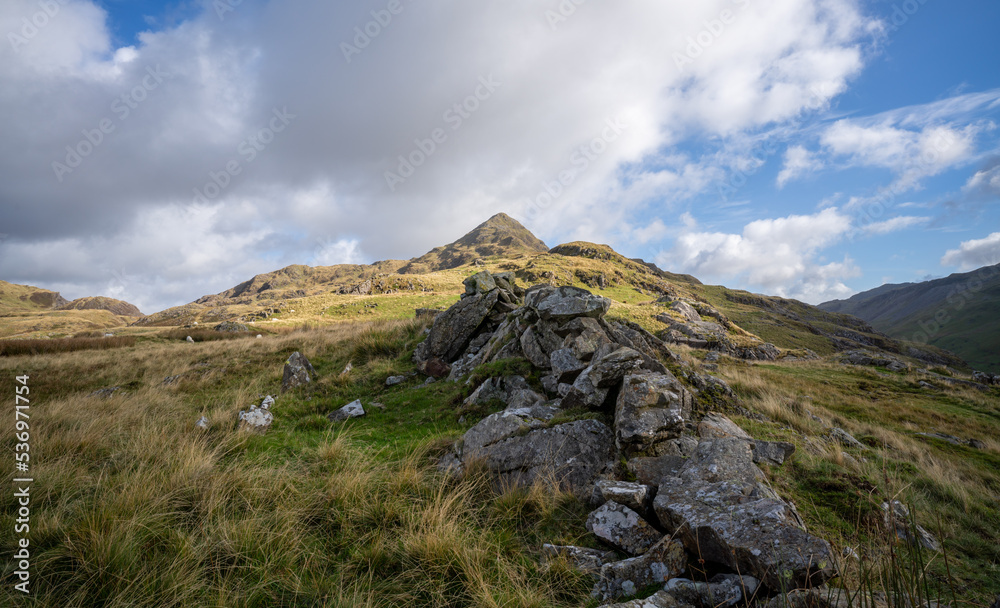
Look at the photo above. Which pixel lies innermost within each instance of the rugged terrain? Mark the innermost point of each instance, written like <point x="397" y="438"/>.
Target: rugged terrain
<point x="551" y="428"/>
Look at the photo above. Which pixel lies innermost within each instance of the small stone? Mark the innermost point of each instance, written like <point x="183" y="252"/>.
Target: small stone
<point x="259" y="336"/>
<point x="635" y="496"/>
<point x="846" y="439"/>
<point x="202" y="423"/>
<point x="772" y="452"/>
<point x="298" y="371"/>
<point x="353" y="409"/>
<point x="394" y="380"/>
<point x="190" y="339"/>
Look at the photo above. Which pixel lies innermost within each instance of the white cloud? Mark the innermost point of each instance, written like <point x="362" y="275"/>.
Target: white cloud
<point x="778" y="255"/>
<point x="894" y="224"/>
<point x="974" y="254"/>
<point x="911" y="154"/>
<point x="323" y="177"/>
<point x="798" y="161"/>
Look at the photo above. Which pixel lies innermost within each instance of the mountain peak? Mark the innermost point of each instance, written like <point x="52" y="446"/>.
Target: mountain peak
<point x="501" y="235"/>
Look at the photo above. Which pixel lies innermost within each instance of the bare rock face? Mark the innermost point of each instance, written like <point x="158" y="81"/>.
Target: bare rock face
<point x="622" y="528"/>
<point x="772" y="452"/>
<point x="454" y="328"/>
<point x="722" y="591"/>
<point x="746" y="528"/>
<point x="298" y="371"/>
<point x="716" y="425"/>
<point x="725" y="459"/>
<point x="650" y="410"/>
<point x="663" y="561"/>
<point x="571" y="454"/>
<point x="513" y="391"/>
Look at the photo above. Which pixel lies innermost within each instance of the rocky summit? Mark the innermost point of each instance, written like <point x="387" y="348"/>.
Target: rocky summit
<point x="606" y="399"/>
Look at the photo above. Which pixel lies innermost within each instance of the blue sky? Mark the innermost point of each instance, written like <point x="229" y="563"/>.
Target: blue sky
<point x="804" y="148"/>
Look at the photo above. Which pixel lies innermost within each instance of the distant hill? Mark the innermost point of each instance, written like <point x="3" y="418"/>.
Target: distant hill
<point x="499" y="236"/>
<point x="32" y="312"/>
<point x="15" y="297"/>
<point x="960" y="313"/>
<point x="111" y="305"/>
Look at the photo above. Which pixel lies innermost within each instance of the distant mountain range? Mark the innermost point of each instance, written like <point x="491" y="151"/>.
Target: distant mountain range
<point x="959" y="313"/>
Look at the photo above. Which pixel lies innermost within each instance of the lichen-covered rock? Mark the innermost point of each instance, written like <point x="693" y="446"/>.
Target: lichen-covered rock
<point x="479" y="283"/>
<point x="721" y="591"/>
<point x="565" y="364"/>
<point x="846" y="439"/>
<point x="298" y="372"/>
<point x="723" y="459"/>
<point x="610" y="369"/>
<point x="353" y="409"/>
<point x="718" y="426"/>
<point x="663" y="561"/>
<point x="622" y="528"/>
<point x="503" y="425"/>
<point x="635" y="496"/>
<point x="583" y="394"/>
<point x="652" y="469"/>
<point x="257" y="418"/>
<point x="454" y="328"/>
<point x="572" y="454"/>
<point x="565" y="303"/>
<point x="588" y="561"/>
<point x="772" y="452"/>
<point x="651" y="409"/>
<point x="746" y="528"/>
<point x="513" y="391"/>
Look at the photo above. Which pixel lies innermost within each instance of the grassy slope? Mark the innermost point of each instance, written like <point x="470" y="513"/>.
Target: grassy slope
<point x="135" y="506"/>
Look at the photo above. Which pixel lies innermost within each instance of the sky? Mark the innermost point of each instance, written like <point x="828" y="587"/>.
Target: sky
<point x="160" y="151"/>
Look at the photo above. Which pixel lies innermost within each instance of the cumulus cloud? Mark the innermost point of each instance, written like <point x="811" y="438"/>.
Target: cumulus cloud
<point x="974" y="254"/>
<point x="798" y="162"/>
<point x="108" y="148"/>
<point x="778" y="255"/>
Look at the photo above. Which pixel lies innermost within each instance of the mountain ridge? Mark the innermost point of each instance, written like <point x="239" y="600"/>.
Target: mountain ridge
<point x="957" y="313"/>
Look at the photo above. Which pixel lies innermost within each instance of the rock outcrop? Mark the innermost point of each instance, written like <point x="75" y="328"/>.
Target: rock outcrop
<point x="710" y="501"/>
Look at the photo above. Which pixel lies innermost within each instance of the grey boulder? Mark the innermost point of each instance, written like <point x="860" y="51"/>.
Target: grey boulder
<point x="353" y="409"/>
<point x="298" y="371"/>
<point x="663" y="561"/>
<point x="622" y="528"/>
<point x="651" y="409"/>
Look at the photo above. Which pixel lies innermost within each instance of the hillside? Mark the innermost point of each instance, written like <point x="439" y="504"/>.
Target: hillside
<point x="117" y="307"/>
<point x="31" y="312"/>
<point x="27" y="298"/>
<point x="957" y="313"/>
<point x="499" y="236"/>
